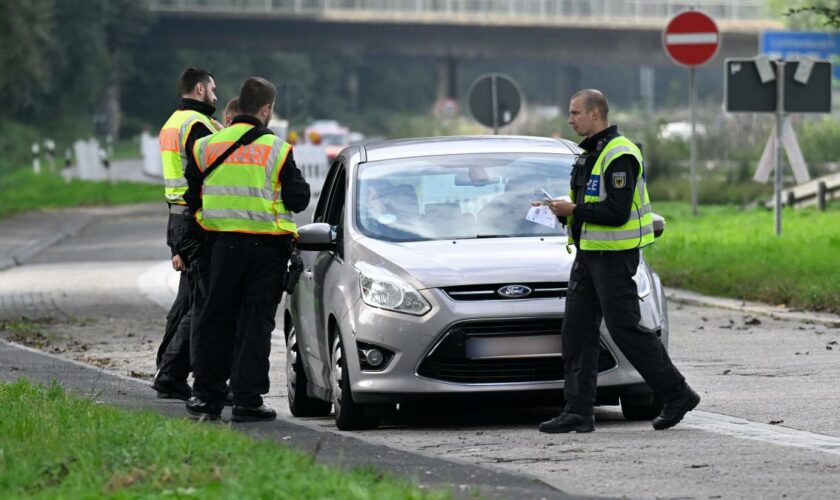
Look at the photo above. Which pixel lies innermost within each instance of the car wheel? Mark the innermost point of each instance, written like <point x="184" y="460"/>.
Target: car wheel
<point x="635" y="409"/>
<point x="300" y="404"/>
<point x="349" y="415"/>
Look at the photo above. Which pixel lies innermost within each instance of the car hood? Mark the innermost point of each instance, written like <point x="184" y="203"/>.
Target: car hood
<point x="435" y="264"/>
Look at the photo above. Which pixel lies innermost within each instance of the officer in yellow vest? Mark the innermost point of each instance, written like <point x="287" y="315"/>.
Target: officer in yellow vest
<point x="251" y="187"/>
<point x="192" y="120"/>
<point x="609" y="220"/>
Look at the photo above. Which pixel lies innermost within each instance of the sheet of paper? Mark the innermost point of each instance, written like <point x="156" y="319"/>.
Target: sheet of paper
<point x="541" y="215"/>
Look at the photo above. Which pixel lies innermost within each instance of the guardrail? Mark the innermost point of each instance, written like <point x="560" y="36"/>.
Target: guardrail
<point x="815" y="192"/>
<point x="732" y="10"/>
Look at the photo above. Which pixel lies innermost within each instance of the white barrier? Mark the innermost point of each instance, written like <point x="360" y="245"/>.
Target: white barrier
<point x="88" y="164"/>
<point x="150" y="151"/>
<point x="313" y="164"/>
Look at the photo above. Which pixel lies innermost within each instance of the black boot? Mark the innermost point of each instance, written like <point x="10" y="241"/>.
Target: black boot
<point x="252" y="414"/>
<point x="203" y="410"/>
<point x="168" y="387"/>
<point x="568" y="422"/>
<point x="675" y="409"/>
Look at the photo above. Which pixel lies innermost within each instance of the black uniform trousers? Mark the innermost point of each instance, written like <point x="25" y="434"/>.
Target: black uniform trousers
<point x="601" y="285"/>
<point x="246" y="282"/>
<point x="173" y="358"/>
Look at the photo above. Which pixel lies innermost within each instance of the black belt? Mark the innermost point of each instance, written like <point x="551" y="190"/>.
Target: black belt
<point x="178" y="209"/>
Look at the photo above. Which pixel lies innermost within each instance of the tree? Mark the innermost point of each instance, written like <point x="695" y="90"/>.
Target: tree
<point x="25" y="43"/>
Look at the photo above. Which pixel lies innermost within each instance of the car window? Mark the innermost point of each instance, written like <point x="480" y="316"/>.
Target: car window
<point x="321" y="206"/>
<point x="457" y="196"/>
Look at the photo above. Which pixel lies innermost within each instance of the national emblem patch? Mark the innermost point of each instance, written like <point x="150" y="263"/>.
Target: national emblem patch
<point x="619" y="180"/>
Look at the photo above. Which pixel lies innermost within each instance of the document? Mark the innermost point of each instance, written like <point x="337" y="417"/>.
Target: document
<point x="542" y="215"/>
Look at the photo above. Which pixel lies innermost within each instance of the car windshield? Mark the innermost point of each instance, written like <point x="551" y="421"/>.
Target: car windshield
<point x="458" y="196"/>
<point x="333" y="139"/>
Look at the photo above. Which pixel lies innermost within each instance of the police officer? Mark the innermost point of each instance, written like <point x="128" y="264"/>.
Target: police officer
<point x="609" y="220"/>
<point x="193" y="119"/>
<point x="251" y="187"/>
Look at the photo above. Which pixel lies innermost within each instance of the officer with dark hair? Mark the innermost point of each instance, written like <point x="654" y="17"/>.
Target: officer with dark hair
<point x="609" y="219"/>
<point x="192" y="120"/>
<point x="251" y="187"/>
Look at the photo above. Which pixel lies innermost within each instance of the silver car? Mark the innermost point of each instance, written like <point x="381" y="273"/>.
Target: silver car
<point x="424" y="277"/>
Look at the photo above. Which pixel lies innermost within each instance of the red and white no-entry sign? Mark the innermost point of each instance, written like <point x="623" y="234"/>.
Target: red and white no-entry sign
<point x="691" y="38"/>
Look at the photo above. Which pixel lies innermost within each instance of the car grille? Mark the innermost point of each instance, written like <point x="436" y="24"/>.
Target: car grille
<point x="545" y="290"/>
<point x="449" y="362"/>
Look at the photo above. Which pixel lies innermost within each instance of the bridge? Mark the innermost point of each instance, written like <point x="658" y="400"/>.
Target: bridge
<point x="563" y="34"/>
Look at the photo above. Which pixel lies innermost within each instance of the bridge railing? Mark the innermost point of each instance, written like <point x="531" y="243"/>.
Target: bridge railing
<point x="533" y="9"/>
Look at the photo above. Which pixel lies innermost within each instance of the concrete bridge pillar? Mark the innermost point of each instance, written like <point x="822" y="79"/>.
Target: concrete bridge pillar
<point x="447" y="87"/>
<point x="568" y="82"/>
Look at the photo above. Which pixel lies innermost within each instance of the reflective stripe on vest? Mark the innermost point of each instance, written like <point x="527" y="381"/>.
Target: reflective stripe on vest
<point x="173" y="154"/>
<point x="242" y="195"/>
<point x="637" y="232"/>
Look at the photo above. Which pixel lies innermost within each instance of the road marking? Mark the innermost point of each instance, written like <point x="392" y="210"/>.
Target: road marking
<point x="746" y="429"/>
<point x="160" y="284"/>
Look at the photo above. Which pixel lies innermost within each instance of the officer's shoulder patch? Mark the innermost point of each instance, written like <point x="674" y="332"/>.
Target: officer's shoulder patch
<point x="619" y="179"/>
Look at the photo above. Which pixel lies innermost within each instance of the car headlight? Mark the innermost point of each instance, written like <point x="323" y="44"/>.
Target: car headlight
<point x="392" y="294"/>
<point x="642" y="279"/>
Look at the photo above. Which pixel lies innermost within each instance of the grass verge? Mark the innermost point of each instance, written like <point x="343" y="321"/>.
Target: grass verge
<point x="22" y="191"/>
<point x="726" y="251"/>
<point x="55" y="445"/>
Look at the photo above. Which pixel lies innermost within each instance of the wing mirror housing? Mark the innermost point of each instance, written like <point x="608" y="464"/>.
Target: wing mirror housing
<point x="658" y="225"/>
<point x="317" y="236"/>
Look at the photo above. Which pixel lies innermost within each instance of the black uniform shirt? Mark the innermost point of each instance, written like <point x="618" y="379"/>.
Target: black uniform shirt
<point x="620" y="183"/>
<point x="191" y="172"/>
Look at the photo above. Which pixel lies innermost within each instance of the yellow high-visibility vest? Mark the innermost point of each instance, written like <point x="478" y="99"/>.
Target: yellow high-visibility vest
<point x="242" y="195"/>
<point x="637" y="232"/>
<point x="173" y="154"/>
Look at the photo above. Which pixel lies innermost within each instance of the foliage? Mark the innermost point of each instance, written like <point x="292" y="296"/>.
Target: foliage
<point x="727" y="251"/>
<point x="814" y="14"/>
<point x="55" y="445"/>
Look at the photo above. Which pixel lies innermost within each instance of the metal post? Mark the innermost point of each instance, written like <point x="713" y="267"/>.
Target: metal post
<point x="821" y="191"/>
<point x="494" y="96"/>
<point x="780" y="92"/>
<point x="693" y="162"/>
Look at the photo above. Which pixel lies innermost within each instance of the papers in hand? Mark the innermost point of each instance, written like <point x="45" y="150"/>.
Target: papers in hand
<point x="541" y="215"/>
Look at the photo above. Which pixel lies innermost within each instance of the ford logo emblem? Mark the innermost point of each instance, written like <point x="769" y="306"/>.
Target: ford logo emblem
<point x="514" y="291"/>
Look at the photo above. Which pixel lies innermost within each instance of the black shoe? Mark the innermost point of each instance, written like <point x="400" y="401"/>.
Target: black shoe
<point x="167" y="388"/>
<point x="568" y="422"/>
<point x="252" y="414"/>
<point x="202" y="410"/>
<point x="675" y="410"/>
<point x="228" y="398"/>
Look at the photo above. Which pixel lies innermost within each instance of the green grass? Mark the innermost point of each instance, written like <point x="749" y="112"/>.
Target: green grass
<point x="54" y="445"/>
<point x="22" y="191"/>
<point x="726" y="251"/>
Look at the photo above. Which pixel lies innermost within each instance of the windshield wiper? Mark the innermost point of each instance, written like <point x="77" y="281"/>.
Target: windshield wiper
<point x="492" y="236"/>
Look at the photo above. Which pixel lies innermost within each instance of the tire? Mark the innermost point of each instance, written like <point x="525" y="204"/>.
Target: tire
<point x="349" y="415"/>
<point x="300" y="404"/>
<point x="634" y="409"/>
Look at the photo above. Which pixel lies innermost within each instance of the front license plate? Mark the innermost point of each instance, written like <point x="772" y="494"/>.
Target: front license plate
<point x="527" y="346"/>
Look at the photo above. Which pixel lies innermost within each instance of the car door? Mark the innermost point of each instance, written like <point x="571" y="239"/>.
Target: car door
<point x="310" y="303"/>
<point x="326" y="270"/>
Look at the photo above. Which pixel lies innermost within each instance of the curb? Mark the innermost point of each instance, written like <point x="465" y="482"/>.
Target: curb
<point x="41" y="243"/>
<point x="775" y="312"/>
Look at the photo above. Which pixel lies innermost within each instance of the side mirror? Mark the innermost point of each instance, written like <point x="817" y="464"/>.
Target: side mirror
<point x="316" y="237"/>
<point x="658" y="225"/>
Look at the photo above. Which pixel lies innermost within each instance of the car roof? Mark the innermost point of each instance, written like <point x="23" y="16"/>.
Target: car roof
<point x="452" y="145"/>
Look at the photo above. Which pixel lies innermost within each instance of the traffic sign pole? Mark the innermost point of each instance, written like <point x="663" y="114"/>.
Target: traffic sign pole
<point x="780" y="99"/>
<point x="494" y="93"/>
<point x="692" y="118"/>
<point x="691" y="39"/>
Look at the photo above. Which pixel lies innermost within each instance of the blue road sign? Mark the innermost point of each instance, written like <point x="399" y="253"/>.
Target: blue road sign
<point x="788" y="44"/>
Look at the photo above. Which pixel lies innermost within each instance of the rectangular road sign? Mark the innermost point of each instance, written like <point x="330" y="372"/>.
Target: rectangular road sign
<point x="791" y="44"/>
<point x="807" y="86"/>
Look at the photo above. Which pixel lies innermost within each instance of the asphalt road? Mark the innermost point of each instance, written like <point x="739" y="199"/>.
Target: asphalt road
<point x="767" y="426"/>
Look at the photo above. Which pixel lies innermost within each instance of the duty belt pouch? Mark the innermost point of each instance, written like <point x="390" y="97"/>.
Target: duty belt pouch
<point x="293" y="273"/>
